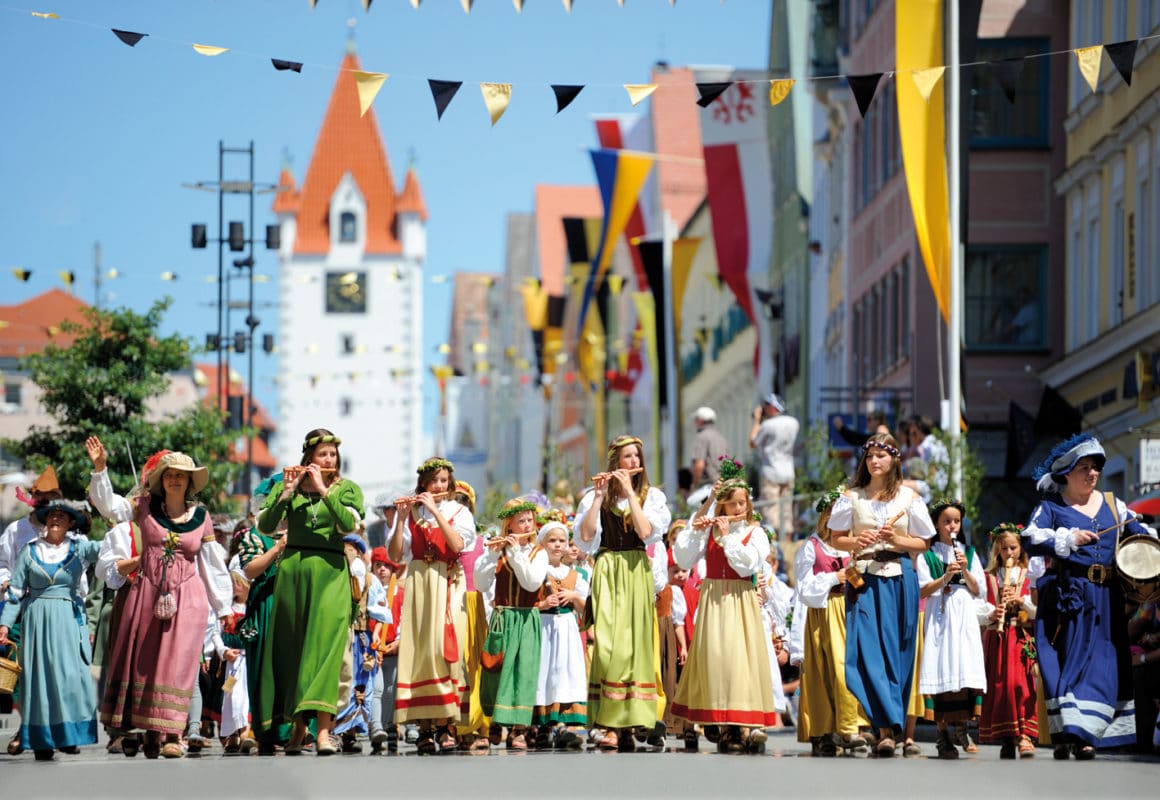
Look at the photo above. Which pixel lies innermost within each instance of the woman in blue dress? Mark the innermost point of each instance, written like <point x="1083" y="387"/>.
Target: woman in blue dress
<point x="59" y="699"/>
<point x="1081" y="631"/>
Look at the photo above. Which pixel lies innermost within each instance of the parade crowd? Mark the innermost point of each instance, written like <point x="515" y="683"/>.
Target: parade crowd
<point x="609" y="625"/>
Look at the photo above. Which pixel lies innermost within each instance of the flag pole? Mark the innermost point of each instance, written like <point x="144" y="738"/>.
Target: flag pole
<point x="954" y="324"/>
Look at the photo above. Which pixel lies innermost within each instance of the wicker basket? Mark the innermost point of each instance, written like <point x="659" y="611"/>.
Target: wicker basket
<point x="9" y="671"/>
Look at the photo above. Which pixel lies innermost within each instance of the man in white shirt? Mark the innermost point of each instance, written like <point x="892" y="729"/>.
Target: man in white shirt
<point x="774" y="436"/>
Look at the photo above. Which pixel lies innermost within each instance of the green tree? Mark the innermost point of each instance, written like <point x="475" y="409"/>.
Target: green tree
<point x="824" y="468"/>
<point x="101" y="384"/>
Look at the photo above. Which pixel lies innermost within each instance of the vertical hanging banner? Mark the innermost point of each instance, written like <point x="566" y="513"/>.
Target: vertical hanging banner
<point x="739" y="179"/>
<point x="922" y="128"/>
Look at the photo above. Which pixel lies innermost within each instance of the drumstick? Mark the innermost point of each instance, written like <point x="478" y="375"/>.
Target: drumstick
<point x="1116" y="527"/>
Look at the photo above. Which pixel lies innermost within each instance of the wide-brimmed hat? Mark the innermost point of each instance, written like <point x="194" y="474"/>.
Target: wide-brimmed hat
<point x="198" y="476"/>
<point x="75" y="511"/>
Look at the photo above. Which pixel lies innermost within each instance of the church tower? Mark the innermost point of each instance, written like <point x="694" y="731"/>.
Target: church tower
<point x="351" y="299"/>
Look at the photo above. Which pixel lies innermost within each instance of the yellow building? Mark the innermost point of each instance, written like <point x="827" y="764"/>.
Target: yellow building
<point x="1111" y="189"/>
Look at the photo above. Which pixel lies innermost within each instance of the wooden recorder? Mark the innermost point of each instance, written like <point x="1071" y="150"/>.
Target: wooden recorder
<point x="603" y="476"/>
<point x="290" y="473"/>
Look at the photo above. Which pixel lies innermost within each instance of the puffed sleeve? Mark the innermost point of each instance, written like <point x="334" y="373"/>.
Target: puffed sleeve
<point x="1042" y="539"/>
<point x="485" y="565"/>
<point x="8" y="552"/>
<point x="346" y="505"/>
<point x="529" y="572"/>
<point x="813" y="590"/>
<point x="219" y="588"/>
<point x="108" y="503"/>
<point x="1036" y="568"/>
<point x="19" y="579"/>
<point x="679" y="607"/>
<point x="659" y="560"/>
<point x="980" y="576"/>
<point x="920" y="524"/>
<point x="464" y="524"/>
<point x="377" y="608"/>
<point x="583" y="509"/>
<point x="690" y="546"/>
<point x="746" y="557"/>
<point x="842" y="515"/>
<point x="656" y="510"/>
<point x="116" y="546"/>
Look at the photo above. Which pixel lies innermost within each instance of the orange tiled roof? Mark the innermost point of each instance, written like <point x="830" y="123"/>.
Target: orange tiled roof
<point x="208" y="381"/>
<point x="411" y="198"/>
<point x="263" y="459"/>
<point x="347" y="143"/>
<point x="33" y="324"/>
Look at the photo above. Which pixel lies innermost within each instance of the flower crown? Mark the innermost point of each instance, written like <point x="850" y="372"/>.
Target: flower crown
<point x="1004" y="528"/>
<point x="730" y="468"/>
<point x="889" y="448"/>
<point x="829" y="498"/>
<point x="518" y="508"/>
<point x="551" y="515"/>
<point x="434" y="464"/>
<point x="314" y="441"/>
<point x="942" y="504"/>
<point x="624" y="441"/>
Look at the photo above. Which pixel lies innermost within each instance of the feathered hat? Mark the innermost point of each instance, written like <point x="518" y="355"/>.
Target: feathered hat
<point x="1052" y="473"/>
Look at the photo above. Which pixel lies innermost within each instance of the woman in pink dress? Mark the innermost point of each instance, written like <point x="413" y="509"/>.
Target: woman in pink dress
<point x="156" y="650"/>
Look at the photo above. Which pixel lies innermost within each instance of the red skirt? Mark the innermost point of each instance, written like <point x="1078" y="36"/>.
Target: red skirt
<point x="1009" y="705"/>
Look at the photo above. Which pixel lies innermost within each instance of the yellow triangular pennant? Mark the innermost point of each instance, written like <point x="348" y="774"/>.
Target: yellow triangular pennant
<point x="568" y="6"/>
<point x="209" y="49"/>
<point x="415" y="3"/>
<point x="466" y="6"/>
<point x="926" y="79"/>
<point x="1089" y="63"/>
<point x="45" y="15"/>
<point x="368" y="85"/>
<point x="779" y="90"/>
<point x="639" y="91"/>
<point x="497" y="96"/>
<point x="519" y="4"/>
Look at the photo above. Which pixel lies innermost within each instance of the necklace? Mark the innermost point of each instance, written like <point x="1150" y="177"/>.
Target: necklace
<point x="314" y="512"/>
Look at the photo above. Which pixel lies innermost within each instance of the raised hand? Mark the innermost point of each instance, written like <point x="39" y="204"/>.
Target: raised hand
<point x="97" y="453"/>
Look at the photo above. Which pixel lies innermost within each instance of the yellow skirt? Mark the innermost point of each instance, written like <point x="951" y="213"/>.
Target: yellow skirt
<point x="476" y="722"/>
<point x="727" y="678"/>
<point x="431" y="687"/>
<point x="917" y="705"/>
<point x="826" y="705"/>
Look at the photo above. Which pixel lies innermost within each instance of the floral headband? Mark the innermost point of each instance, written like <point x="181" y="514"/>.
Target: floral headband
<point x="623" y="441"/>
<point x="551" y="515"/>
<point x="435" y="463"/>
<point x="889" y="448"/>
<point x="314" y="441"/>
<point x="942" y="504"/>
<point x="828" y="499"/>
<point x="518" y="508"/>
<point x="1004" y="528"/>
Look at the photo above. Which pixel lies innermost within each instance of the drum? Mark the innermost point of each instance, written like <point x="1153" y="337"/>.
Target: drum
<point x="1138" y="564"/>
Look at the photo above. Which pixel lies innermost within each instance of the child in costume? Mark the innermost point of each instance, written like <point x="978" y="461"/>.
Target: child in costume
<point x="671" y="612"/>
<point x="727" y="679"/>
<point x="516" y="567"/>
<point x="562" y="688"/>
<point x="1009" y="709"/>
<point x="953" y="674"/>
<point x="828" y="715"/>
<point x="368" y="600"/>
<point x="385" y="643"/>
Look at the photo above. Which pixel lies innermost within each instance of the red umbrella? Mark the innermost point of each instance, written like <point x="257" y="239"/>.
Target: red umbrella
<point x="1146" y="505"/>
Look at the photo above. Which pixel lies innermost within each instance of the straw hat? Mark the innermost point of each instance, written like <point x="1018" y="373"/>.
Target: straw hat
<point x="198" y="476"/>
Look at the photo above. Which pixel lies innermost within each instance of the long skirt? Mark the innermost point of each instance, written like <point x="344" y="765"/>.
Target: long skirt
<point x="306" y="638"/>
<point x="826" y="704"/>
<point x="881" y="643"/>
<point x="153" y="664"/>
<point x="235" y="698"/>
<point x="624" y="679"/>
<point x="355" y="715"/>
<point x="1085" y="663"/>
<point x="670" y="671"/>
<point x="916" y="707"/>
<point x="430" y="686"/>
<point x="475" y="721"/>
<point x="254" y="630"/>
<point x="562" y="687"/>
<point x="59" y="700"/>
<point x="727" y="680"/>
<point x="1009" y="704"/>
<point x="508" y="694"/>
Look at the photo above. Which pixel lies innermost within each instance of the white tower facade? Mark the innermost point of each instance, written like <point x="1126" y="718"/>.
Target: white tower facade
<point x="351" y="300"/>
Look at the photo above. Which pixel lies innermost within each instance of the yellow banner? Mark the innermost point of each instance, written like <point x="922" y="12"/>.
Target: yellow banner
<point x="1089" y="59"/>
<point x="779" y="90"/>
<point x="210" y="50"/>
<point x="921" y="125"/>
<point x="496" y="96"/>
<point x="683" y="252"/>
<point x="368" y="85"/>
<point x="639" y="91"/>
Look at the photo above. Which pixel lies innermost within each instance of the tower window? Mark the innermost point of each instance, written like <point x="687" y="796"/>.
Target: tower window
<point x="347" y="228"/>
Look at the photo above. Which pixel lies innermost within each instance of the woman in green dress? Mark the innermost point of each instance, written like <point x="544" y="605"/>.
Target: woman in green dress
<point x="307" y="635"/>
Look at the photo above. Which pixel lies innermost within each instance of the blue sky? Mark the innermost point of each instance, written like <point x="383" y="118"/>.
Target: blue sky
<point x="96" y="138"/>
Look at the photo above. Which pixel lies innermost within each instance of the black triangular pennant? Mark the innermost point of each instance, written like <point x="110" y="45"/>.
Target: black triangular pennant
<point x="279" y="64"/>
<point x="1123" y="55"/>
<point x="128" y="37"/>
<point x="864" y="87"/>
<point x="1007" y="72"/>
<point x="565" y="94"/>
<point x="710" y="92"/>
<point x="442" y="92"/>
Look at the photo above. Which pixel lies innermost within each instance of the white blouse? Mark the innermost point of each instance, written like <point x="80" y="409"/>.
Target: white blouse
<point x="529" y="572"/>
<point x="919" y="524"/>
<point x="457" y="516"/>
<point x="814" y="590"/>
<point x="745" y="558"/>
<point x="561" y="572"/>
<point x="656" y="511"/>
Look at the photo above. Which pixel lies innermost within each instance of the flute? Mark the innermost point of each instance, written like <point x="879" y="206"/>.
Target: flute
<point x="708" y="522"/>
<point x="853" y="577"/>
<point x="290" y="473"/>
<point x="1011" y="575"/>
<point x="606" y="475"/>
<point x="411" y="499"/>
<point x="501" y="541"/>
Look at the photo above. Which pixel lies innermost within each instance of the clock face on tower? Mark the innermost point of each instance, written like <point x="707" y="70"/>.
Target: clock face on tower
<point x="346" y="292"/>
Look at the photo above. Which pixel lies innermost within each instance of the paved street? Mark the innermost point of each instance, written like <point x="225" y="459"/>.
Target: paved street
<point x="786" y="771"/>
